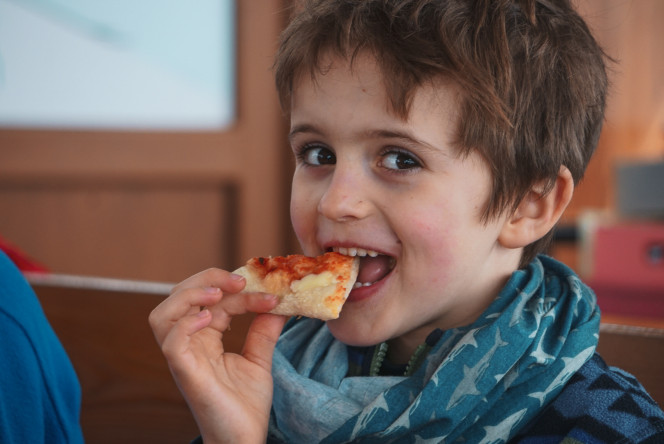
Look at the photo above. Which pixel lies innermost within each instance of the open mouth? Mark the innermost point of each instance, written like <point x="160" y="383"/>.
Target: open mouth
<point x="373" y="265"/>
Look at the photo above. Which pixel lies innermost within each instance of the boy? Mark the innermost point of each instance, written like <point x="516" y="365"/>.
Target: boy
<point x="441" y="141"/>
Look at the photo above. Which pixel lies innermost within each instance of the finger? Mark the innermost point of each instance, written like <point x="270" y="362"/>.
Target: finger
<point x="223" y="307"/>
<point x="239" y="304"/>
<point x="181" y="303"/>
<point x="185" y="300"/>
<point x="213" y="277"/>
<point x="262" y="338"/>
<point x="177" y="341"/>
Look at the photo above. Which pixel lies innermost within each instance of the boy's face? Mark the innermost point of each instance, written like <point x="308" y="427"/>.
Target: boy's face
<point x="368" y="179"/>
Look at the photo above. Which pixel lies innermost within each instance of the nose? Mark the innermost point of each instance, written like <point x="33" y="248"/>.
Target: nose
<point x="345" y="198"/>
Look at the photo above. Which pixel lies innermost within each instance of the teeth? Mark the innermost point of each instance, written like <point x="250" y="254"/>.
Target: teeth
<point x="362" y="284"/>
<point x="353" y="251"/>
<point x="361" y="252"/>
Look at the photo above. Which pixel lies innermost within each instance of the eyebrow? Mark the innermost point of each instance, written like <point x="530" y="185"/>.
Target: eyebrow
<point x="406" y="137"/>
<point x="378" y="133"/>
<point x="403" y="135"/>
<point x="303" y="128"/>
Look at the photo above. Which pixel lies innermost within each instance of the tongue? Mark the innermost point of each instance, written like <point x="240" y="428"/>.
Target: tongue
<point x="373" y="269"/>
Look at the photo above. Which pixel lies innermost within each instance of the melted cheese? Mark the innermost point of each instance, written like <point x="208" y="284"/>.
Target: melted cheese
<point x="313" y="281"/>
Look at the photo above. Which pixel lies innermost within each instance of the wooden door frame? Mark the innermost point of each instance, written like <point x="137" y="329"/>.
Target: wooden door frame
<point x="250" y="156"/>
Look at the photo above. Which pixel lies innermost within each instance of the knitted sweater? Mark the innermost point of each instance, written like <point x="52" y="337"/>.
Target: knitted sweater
<point x="599" y="405"/>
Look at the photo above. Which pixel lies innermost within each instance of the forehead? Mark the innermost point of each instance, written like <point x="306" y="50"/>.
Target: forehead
<point x="349" y="103"/>
<point x="363" y="75"/>
<point x="332" y="68"/>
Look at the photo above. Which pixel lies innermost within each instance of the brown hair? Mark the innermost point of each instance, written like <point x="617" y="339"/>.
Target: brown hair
<point x="532" y="77"/>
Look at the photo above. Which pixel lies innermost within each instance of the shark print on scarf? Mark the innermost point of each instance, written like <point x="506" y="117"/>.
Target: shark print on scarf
<point x="478" y="384"/>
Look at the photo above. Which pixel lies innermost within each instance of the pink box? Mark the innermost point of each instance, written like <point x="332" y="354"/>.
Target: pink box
<point x="627" y="263"/>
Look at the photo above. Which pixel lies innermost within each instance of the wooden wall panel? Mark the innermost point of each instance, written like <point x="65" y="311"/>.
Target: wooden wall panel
<point x="151" y="176"/>
<point x="139" y="230"/>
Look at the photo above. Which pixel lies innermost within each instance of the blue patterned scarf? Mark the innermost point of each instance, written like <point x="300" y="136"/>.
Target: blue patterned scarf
<point x="479" y="384"/>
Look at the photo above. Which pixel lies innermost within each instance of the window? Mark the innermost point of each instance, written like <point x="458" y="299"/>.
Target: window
<point x="121" y="64"/>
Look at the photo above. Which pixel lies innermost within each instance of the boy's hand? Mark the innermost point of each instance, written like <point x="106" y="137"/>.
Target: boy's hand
<point x="230" y="395"/>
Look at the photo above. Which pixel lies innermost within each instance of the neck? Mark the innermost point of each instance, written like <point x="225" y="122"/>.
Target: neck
<point x="402" y="348"/>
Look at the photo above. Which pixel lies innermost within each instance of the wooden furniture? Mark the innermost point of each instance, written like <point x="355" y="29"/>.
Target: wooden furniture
<point x="128" y="394"/>
<point x="637" y="350"/>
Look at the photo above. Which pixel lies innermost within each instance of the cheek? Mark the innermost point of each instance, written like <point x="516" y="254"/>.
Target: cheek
<point x="303" y="216"/>
<point x="432" y="226"/>
<point x="424" y="227"/>
<point x="297" y="213"/>
<point x="433" y="242"/>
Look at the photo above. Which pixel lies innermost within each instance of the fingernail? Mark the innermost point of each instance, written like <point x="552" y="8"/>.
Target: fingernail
<point x="213" y="290"/>
<point x="203" y="313"/>
<point x="269" y="297"/>
<point x="236" y="277"/>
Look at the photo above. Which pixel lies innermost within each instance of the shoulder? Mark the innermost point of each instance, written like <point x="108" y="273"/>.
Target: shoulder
<point x="23" y="319"/>
<point x="600" y="404"/>
<point x="39" y="389"/>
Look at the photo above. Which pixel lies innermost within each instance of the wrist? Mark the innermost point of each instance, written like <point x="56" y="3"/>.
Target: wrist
<point x="244" y="437"/>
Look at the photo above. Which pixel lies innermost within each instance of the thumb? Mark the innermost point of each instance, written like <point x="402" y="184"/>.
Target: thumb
<point x="262" y="338"/>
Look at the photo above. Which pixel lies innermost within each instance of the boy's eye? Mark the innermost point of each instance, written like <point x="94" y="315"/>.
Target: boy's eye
<point x="318" y="155"/>
<point x="397" y="160"/>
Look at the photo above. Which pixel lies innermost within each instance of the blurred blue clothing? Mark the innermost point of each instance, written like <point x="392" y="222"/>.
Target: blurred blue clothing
<point x="40" y="395"/>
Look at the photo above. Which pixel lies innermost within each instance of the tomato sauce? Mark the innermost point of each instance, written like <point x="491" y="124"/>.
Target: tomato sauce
<point x="296" y="266"/>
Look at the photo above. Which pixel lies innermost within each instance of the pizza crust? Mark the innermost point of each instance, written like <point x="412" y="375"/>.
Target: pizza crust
<point x="306" y="286"/>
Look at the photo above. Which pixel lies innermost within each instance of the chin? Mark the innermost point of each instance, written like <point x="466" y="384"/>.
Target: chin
<point x="351" y="334"/>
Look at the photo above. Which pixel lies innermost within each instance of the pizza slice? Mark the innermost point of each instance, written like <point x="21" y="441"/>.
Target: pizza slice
<point x="316" y="287"/>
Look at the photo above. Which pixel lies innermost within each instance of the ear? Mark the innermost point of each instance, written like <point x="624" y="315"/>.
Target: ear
<point x="537" y="213"/>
